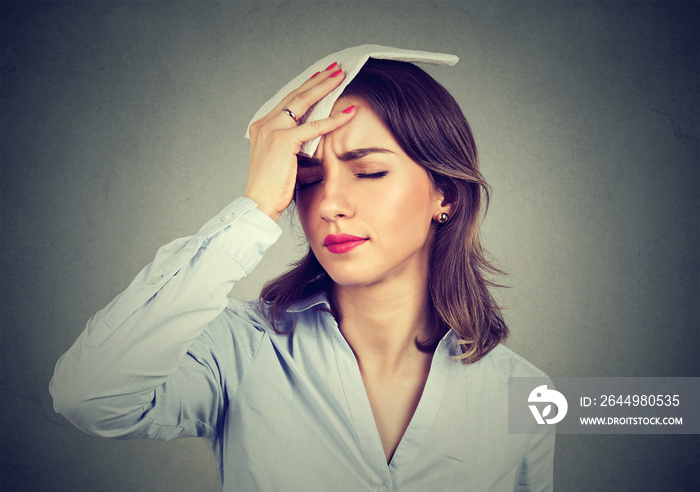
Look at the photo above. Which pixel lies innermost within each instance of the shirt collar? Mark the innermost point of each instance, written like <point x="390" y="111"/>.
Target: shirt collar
<point x="315" y="300"/>
<point x="319" y="299"/>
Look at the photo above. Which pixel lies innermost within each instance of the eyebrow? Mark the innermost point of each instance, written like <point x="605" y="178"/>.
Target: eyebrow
<point x="351" y="155"/>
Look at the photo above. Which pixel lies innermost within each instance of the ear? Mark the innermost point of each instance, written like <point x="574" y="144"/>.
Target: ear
<point x="443" y="204"/>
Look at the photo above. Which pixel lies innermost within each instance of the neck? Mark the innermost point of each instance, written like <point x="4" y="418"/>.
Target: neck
<point x="382" y="322"/>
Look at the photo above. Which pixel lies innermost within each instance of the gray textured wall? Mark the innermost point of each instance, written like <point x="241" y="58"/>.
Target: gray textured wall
<point x="122" y="128"/>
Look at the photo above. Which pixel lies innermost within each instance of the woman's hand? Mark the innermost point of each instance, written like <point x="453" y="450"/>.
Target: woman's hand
<point x="276" y="139"/>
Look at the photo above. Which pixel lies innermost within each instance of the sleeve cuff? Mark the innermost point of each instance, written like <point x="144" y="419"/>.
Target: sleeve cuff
<point x="241" y="231"/>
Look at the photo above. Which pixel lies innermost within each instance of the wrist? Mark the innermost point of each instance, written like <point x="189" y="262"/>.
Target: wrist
<point x="271" y="211"/>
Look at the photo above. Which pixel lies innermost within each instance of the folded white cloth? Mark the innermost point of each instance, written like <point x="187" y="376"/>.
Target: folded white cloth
<point x="351" y="60"/>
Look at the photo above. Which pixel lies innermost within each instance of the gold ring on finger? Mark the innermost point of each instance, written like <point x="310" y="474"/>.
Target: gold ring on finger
<point x="292" y="115"/>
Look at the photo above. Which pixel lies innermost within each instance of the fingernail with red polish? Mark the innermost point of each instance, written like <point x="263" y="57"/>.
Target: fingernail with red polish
<point x="314" y="75"/>
<point x="335" y="74"/>
<point x="332" y="65"/>
<point x="349" y="109"/>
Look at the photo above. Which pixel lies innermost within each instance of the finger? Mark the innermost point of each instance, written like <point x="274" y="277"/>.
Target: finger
<point x="329" y="74"/>
<point x="314" y="89"/>
<point x="317" y="128"/>
<point x="309" y="93"/>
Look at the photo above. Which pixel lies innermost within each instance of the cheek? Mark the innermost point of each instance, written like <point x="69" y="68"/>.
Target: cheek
<point x="419" y="196"/>
<point x="406" y="207"/>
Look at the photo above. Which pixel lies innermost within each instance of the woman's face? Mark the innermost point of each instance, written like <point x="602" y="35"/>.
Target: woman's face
<point x="365" y="206"/>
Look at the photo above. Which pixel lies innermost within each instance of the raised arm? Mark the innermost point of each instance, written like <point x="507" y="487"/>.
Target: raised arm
<point x="130" y="365"/>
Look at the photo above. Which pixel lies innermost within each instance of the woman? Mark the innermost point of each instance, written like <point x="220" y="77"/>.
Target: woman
<point x="374" y="364"/>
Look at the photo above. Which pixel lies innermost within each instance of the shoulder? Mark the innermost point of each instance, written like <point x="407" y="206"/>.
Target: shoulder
<point x="509" y="364"/>
<point x="231" y="343"/>
<point x="240" y="319"/>
<point x="241" y="339"/>
<point x="501" y="364"/>
<point x="235" y="334"/>
<point x="242" y="326"/>
<point x="247" y="312"/>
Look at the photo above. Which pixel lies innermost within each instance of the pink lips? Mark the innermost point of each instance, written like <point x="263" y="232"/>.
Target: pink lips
<point x="342" y="243"/>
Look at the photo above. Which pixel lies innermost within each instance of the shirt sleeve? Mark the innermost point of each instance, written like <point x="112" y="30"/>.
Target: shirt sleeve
<point x="131" y="354"/>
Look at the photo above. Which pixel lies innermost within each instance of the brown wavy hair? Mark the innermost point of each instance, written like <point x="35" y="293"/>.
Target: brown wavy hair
<point x="430" y="127"/>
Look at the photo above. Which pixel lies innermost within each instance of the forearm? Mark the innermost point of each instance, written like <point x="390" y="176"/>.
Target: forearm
<point x="108" y="377"/>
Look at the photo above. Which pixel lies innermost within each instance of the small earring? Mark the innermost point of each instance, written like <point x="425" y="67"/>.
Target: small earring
<point x="443" y="218"/>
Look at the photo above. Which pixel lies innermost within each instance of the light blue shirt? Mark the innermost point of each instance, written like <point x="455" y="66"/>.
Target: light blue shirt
<point x="172" y="357"/>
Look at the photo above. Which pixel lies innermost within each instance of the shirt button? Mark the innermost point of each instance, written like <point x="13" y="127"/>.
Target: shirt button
<point x="156" y="278"/>
<point x="227" y="217"/>
<point x="383" y="488"/>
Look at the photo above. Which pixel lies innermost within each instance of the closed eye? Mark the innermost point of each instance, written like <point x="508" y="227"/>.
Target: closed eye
<point x="314" y="181"/>
<point x="303" y="186"/>
<point x="377" y="175"/>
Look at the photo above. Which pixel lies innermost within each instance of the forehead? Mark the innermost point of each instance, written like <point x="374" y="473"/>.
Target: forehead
<point x="364" y="130"/>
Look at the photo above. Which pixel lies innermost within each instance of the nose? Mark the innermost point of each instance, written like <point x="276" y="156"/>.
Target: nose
<point x="335" y="202"/>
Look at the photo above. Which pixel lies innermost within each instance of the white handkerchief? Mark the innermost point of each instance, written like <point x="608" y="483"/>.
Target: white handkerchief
<point x="351" y="61"/>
